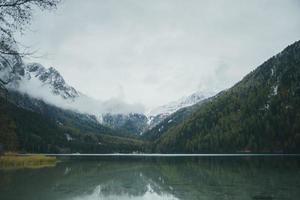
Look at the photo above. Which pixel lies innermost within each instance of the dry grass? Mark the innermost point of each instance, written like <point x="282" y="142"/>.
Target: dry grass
<point x="13" y="161"/>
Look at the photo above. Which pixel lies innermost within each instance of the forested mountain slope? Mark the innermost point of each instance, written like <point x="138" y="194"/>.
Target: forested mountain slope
<point x="27" y="131"/>
<point x="63" y="117"/>
<point x="261" y="113"/>
<point x="172" y="120"/>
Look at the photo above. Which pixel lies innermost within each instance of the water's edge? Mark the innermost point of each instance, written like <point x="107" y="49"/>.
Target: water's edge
<point x="166" y="155"/>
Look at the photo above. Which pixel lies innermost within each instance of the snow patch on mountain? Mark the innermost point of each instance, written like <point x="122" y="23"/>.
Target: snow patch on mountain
<point x="181" y="103"/>
<point x="48" y="85"/>
<point x="158" y="114"/>
<point x="50" y="77"/>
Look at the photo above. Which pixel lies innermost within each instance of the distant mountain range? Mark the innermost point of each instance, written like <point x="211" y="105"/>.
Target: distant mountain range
<point x="48" y="84"/>
<point x="261" y="113"/>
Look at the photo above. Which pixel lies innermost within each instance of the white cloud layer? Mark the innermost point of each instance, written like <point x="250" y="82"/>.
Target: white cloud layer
<point x="153" y="52"/>
<point x="84" y="104"/>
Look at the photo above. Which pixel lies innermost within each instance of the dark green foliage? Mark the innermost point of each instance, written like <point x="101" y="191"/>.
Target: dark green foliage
<point x="28" y="131"/>
<point x="261" y="113"/>
<point x="84" y="122"/>
<point x="8" y="137"/>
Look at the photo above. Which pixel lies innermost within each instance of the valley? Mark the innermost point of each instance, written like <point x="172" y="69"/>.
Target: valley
<point x="260" y="113"/>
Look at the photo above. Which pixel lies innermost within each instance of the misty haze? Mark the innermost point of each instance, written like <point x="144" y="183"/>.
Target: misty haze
<point x="139" y="99"/>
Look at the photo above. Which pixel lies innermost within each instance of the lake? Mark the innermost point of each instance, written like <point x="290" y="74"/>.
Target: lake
<point x="162" y="178"/>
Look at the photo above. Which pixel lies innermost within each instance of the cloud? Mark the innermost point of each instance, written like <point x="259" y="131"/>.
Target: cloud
<point x="158" y="51"/>
<point x="84" y="104"/>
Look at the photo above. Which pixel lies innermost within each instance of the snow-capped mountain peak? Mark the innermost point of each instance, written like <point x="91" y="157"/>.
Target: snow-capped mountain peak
<point x="181" y="103"/>
<point x="160" y="113"/>
<point x="52" y="78"/>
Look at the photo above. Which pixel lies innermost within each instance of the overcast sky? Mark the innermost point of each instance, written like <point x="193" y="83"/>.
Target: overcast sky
<point x="155" y="51"/>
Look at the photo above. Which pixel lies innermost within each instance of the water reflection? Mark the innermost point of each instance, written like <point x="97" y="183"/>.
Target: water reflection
<point x="99" y="193"/>
<point x="156" y="178"/>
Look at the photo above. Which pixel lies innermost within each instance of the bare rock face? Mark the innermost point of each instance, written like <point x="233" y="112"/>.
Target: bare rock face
<point x="52" y="78"/>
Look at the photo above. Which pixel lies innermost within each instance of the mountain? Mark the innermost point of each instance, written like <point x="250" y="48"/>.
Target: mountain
<point x="28" y="78"/>
<point x="171" y="120"/>
<point x="150" y="125"/>
<point x="133" y="123"/>
<point x="83" y="122"/>
<point x="46" y="84"/>
<point x="23" y="78"/>
<point x="50" y="77"/>
<point x="159" y="114"/>
<point x="181" y="103"/>
<point x="261" y="113"/>
<point x="32" y="121"/>
<point x="27" y="131"/>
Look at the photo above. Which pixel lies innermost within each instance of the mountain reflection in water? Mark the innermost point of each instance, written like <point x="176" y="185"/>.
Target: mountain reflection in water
<point x="131" y="178"/>
<point x="148" y="195"/>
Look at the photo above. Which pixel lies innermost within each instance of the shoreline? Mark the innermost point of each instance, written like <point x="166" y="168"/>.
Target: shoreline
<point x="167" y="155"/>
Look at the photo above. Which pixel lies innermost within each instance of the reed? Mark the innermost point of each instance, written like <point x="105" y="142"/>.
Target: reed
<point x="14" y="161"/>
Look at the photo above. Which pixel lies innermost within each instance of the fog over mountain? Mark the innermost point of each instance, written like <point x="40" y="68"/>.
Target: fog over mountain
<point x="48" y="85"/>
<point x="154" y="52"/>
<point x="82" y="103"/>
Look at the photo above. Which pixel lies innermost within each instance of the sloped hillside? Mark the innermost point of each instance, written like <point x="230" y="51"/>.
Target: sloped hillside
<point x="261" y="113"/>
<point x="28" y="131"/>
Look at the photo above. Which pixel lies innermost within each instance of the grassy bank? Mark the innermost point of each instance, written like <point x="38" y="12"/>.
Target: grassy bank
<point x="15" y="161"/>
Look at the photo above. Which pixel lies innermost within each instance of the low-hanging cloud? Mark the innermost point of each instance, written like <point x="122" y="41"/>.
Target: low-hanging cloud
<point x="84" y="104"/>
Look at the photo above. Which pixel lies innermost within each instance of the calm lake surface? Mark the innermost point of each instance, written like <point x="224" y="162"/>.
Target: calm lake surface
<point x="125" y="178"/>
